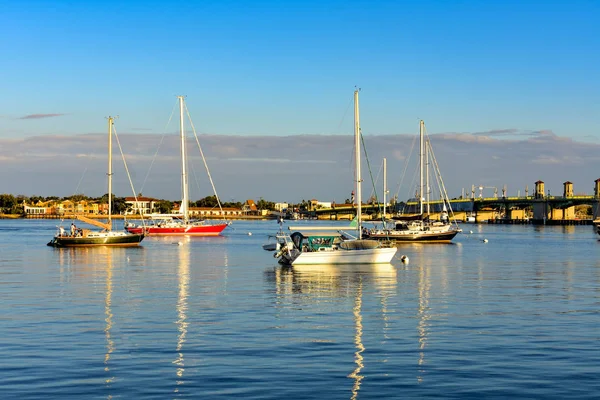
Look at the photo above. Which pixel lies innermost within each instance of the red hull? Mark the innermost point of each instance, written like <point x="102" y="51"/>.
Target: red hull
<point x="184" y="230"/>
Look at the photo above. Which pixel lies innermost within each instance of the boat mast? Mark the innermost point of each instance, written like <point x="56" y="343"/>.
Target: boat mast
<point x="184" y="183"/>
<point x="421" y="123"/>
<point x="427" y="187"/>
<point x="357" y="160"/>
<point x="110" y="126"/>
<point x="384" y="188"/>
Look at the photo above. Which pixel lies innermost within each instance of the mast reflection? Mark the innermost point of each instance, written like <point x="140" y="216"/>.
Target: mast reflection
<point x="182" y="307"/>
<point x="340" y="281"/>
<point x="110" y="345"/>
<point x="358" y="358"/>
<point x="423" y="316"/>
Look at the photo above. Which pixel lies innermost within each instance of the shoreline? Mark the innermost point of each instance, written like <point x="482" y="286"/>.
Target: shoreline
<point x="121" y="217"/>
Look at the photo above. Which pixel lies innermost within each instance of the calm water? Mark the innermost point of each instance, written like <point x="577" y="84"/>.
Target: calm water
<point x="218" y="318"/>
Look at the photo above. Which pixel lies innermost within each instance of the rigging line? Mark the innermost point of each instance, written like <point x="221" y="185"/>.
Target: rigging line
<point x="205" y="163"/>
<point x="442" y="189"/>
<point x="373" y="191"/>
<point x="412" y="148"/>
<point x="345" y="113"/>
<point x="370" y="172"/>
<point x="89" y="156"/>
<point x="157" y="149"/>
<point x="128" y="175"/>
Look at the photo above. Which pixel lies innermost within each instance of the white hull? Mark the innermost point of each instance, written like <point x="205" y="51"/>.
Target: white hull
<point x="339" y="256"/>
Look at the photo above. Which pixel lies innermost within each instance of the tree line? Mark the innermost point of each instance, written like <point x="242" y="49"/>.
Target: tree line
<point x="11" y="204"/>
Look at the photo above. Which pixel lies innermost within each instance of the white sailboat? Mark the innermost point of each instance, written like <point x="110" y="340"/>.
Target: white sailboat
<point x="421" y="229"/>
<point x="179" y="224"/>
<point x="322" y="247"/>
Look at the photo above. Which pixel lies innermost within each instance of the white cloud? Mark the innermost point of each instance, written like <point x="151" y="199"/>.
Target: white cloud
<point x="291" y="167"/>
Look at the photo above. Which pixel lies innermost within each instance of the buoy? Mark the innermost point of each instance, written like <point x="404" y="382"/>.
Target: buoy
<point x="179" y="244"/>
<point x="471" y="232"/>
<point x="404" y="259"/>
<point x="249" y="233"/>
<point x="484" y="240"/>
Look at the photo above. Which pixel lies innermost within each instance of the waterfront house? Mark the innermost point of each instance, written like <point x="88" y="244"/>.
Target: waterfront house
<point x="143" y="205"/>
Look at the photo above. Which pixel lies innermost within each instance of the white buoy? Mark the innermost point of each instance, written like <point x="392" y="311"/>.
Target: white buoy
<point x="404" y="259"/>
<point x="249" y="233"/>
<point x="484" y="240"/>
<point x="179" y="244"/>
<point x="471" y="232"/>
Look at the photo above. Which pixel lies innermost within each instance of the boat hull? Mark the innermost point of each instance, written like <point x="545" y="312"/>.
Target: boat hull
<point x="367" y="256"/>
<point x="424" y="236"/>
<point x="183" y="230"/>
<point x="124" y="240"/>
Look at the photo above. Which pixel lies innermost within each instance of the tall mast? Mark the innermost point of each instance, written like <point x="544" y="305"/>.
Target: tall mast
<point x="384" y="187"/>
<point x="110" y="126"/>
<point x="421" y="123"/>
<point x="184" y="182"/>
<point x="427" y="188"/>
<point x="357" y="160"/>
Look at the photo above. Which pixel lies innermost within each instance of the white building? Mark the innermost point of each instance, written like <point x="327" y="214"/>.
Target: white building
<point x="145" y="204"/>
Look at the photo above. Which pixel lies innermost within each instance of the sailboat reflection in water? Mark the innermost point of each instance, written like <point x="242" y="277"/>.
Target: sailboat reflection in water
<point x="110" y="344"/>
<point x="183" y="274"/>
<point x="363" y="282"/>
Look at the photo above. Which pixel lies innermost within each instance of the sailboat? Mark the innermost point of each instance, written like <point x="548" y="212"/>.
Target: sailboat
<point x="421" y="229"/>
<point x="105" y="237"/>
<point x="179" y="223"/>
<point x="322" y="247"/>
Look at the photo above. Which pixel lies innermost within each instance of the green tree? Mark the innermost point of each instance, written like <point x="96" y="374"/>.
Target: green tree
<point x="7" y="202"/>
<point x="77" y="197"/>
<point x="263" y="204"/>
<point x="118" y="205"/>
<point x="208" y="201"/>
<point x="163" y="206"/>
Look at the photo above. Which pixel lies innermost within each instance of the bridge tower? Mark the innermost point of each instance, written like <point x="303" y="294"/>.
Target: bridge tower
<point x="569" y="212"/>
<point x="539" y="190"/>
<point x="540" y="206"/>
<point x="568" y="189"/>
<point x="596" y="206"/>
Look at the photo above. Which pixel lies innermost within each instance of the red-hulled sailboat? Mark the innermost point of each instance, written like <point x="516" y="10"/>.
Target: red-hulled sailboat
<point x="180" y="223"/>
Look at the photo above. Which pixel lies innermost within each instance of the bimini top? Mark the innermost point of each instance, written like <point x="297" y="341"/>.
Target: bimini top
<point x="362" y="244"/>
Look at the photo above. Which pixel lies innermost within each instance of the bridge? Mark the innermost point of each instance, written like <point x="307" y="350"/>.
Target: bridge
<point x="539" y="208"/>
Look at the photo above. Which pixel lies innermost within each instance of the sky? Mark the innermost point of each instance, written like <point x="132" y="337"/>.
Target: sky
<point x="509" y="91"/>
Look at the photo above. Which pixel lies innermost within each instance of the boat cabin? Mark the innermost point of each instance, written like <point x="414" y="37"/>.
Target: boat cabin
<point x="321" y="241"/>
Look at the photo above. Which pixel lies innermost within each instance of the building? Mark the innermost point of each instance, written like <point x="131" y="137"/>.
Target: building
<point x="212" y="212"/>
<point x="141" y="204"/>
<point x="250" y="207"/>
<point x="281" y="206"/>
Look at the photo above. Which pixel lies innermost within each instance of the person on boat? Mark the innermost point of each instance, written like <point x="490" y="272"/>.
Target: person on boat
<point x="61" y="231"/>
<point x="73" y="229"/>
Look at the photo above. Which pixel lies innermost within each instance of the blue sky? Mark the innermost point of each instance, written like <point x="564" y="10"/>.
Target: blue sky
<point x="267" y="68"/>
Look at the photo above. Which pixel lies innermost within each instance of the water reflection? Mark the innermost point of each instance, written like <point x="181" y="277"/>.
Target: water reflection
<point x="358" y="358"/>
<point x="423" y="316"/>
<point x="340" y="281"/>
<point x="99" y="263"/>
<point x="183" y="275"/>
<point x="110" y="345"/>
